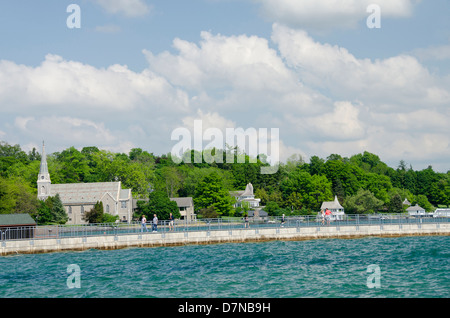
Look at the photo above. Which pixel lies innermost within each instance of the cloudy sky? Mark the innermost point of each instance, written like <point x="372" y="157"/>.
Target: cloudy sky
<point x="135" y="70"/>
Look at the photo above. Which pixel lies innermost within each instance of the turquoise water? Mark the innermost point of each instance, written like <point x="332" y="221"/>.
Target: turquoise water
<point x="409" y="267"/>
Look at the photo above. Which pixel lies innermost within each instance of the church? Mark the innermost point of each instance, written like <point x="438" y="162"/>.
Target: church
<point x="79" y="198"/>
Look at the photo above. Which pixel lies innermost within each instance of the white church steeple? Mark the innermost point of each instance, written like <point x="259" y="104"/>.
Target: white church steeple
<point x="43" y="182"/>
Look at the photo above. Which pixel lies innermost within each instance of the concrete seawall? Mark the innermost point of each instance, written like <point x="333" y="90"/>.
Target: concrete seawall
<point x="110" y="242"/>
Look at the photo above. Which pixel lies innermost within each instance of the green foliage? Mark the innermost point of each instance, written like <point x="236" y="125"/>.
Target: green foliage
<point x="362" y="202"/>
<point x="58" y="212"/>
<point x="50" y="211"/>
<point x="396" y="204"/>
<point x="297" y="187"/>
<point x="211" y="192"/>
<point x="96" y="214"/>
<point x="159" y="204"/>
<point x="301" y="190"/>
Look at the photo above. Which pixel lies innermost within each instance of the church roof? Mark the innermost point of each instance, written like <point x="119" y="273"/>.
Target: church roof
<point x="73" y="193"/>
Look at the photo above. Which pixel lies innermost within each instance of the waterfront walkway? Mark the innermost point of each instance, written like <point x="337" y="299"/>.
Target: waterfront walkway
<point x="210" y="231"/>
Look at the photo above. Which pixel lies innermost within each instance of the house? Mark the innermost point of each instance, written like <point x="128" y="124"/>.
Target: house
<point x="415" y="210"/>
<point x="16" y="226"/>
<point x="245" y="196"/>
<point x="79" y="198"/>
<point x="441" y="213"/>
<point x="337" y="210"/>
<point x="186" y="207"/>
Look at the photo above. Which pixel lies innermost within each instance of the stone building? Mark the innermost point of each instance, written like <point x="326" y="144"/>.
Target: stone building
<point x="79" y="198"/>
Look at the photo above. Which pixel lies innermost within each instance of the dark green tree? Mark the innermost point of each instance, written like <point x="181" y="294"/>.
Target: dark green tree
<point x="95" y="215"/>
<point x="59" y="214"/>
<point x="362" y="202"/>
<point x="159" y="204"/>
<point x="211" y="193"/>
<point x="396" y="204"/>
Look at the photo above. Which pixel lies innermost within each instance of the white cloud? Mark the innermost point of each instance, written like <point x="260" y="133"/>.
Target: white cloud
<point x="221" y="62"/>
<point x="398" y="79"/>
<point x="328" y="14"/>
<point x="129" y="8"/>
<point x="341" y="124"/>
<point x="322" y="98"/>
<point x="439" y="53"/>
<point x="58" y="84"/>
<point x="66" y="128"/>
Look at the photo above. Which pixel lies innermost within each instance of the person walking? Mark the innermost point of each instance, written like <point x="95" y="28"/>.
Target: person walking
<point x="155" y="223"/>
<point x="171" y="219"/>
<point x="328" y="216"/>
<point x="246" y="224"/>
<point x="323" y="216"/>
<point x="143" y="224"/>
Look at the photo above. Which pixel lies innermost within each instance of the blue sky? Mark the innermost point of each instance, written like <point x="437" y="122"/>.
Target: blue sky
<point x="138" y="69"/>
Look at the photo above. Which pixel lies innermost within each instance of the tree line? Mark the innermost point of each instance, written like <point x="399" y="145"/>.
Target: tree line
<point x="362" y="183"/>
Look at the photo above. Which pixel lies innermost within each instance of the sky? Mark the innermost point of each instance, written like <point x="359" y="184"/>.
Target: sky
<point x="333" y="76"/>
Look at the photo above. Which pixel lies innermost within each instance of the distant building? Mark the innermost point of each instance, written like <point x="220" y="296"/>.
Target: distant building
<point x="16" y="226"/>
<point x="337" y="210"/>
<point x="79" y="198"/>
<point x="258" y="214"/>
<point x="406" y="202"/>
<point x="441" y="213"/>
<point x="186" y="207"/>
<point x="245" y="196"/>
<point x="415" y="210"/>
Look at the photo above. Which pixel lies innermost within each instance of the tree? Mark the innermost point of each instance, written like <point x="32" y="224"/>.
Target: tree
<point x="311" y="190"/>
<point x="59" y="214"/>
<point x="396" y="204"/>
<point x="422" y="201"/>
<point x="159" y="204"/>
<point x="262" y="194"/>
<point x="362" y="202"/>
<point x="43" y="214"/>
<point x="171" y="179"/>
<point x="95" y="215"/>
<point x="211" y="193"/>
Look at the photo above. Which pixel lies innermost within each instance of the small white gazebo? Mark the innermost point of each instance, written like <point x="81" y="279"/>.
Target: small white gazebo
<point x="337" y="210"/>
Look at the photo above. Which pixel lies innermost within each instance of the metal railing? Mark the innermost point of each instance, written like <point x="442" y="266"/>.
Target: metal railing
<point x="164" y="226"/>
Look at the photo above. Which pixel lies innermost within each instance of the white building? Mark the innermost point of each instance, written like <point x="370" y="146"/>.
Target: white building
<point x="337" y="210"/>
<point x="415" y="210"/>
<point x="245" y="196"/>
<point x="441" y="213"/>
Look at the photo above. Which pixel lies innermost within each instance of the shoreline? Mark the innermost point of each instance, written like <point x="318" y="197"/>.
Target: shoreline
<point x="205" y="237"/>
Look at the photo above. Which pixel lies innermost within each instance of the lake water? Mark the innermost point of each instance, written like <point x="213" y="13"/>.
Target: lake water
<point x="403" y="267"/>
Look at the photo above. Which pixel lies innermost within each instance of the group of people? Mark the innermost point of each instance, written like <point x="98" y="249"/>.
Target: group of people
<point x="155" y="223"/>
<point x="326" y="216"/>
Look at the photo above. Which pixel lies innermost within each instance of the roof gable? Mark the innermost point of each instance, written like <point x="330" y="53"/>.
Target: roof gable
<point x="16" y="219"/>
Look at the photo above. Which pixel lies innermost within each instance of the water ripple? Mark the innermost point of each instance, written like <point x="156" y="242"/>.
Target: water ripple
<point x="410" y="267"/>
